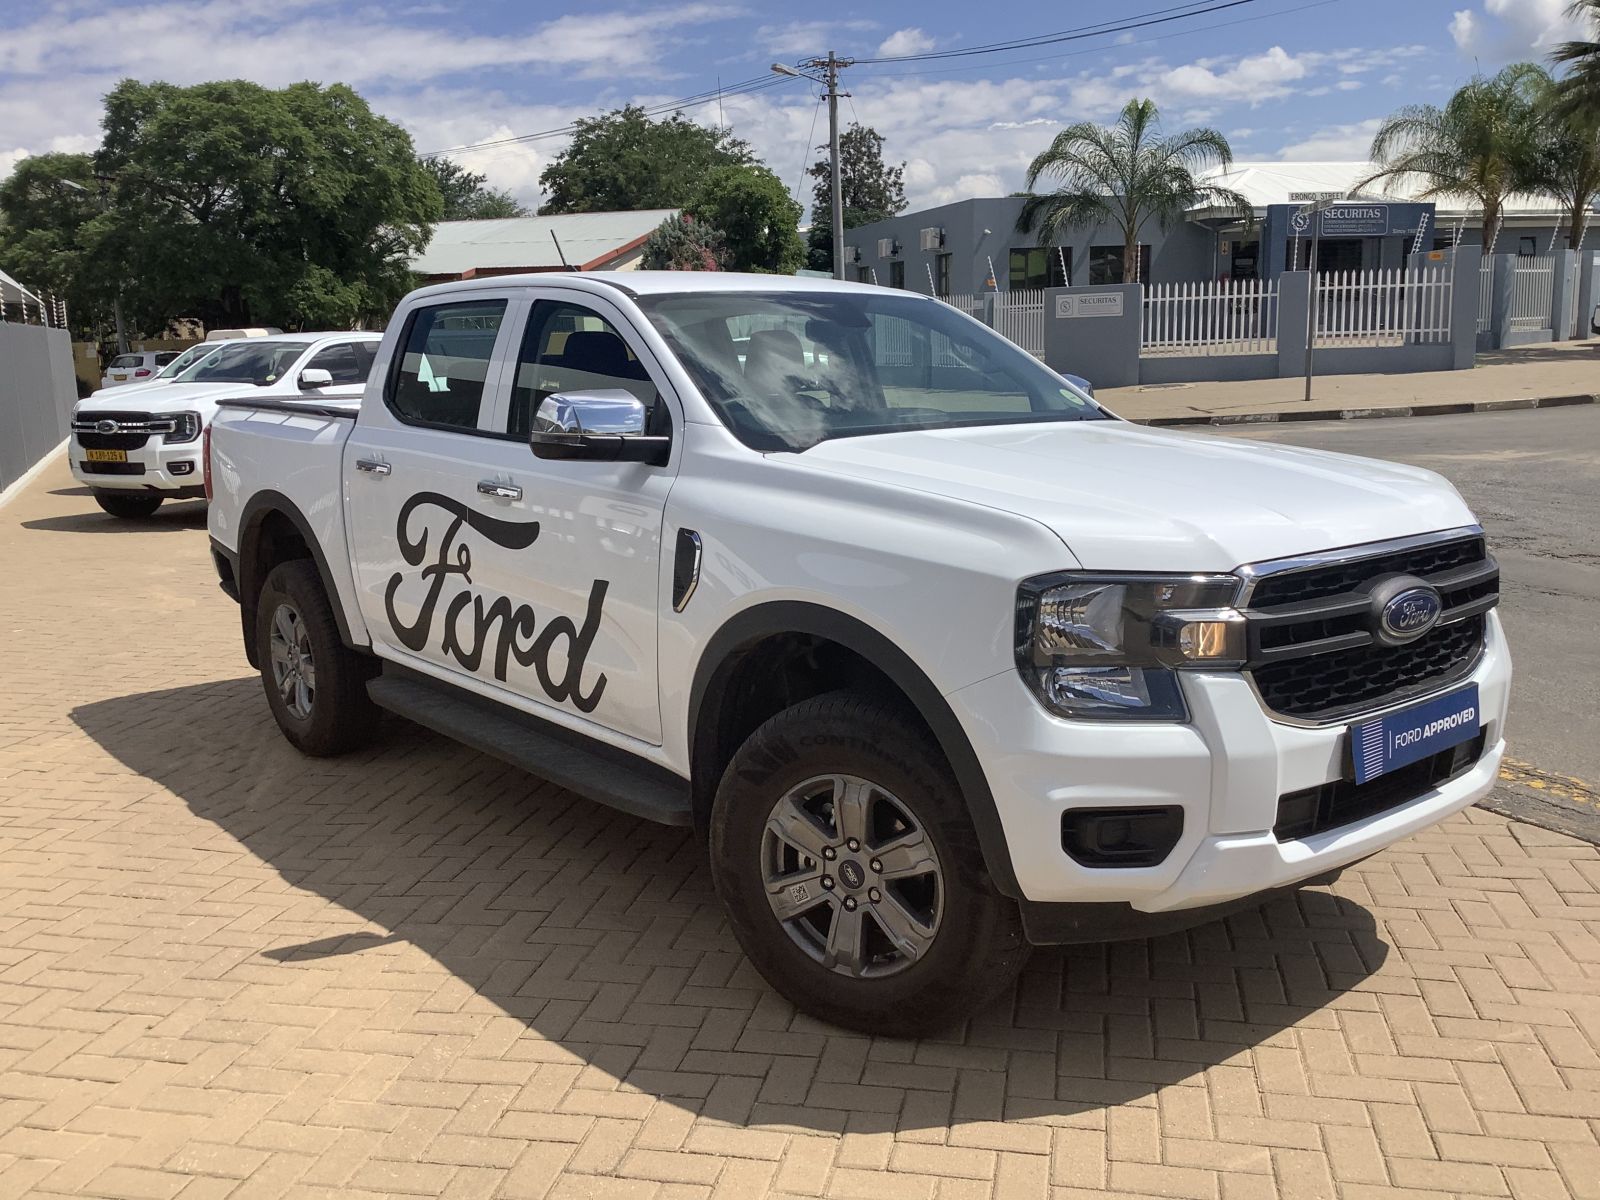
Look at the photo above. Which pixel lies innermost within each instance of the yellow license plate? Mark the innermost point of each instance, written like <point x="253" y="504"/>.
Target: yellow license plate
<point x="119" y="378"/>
<point x="107" y="455"/>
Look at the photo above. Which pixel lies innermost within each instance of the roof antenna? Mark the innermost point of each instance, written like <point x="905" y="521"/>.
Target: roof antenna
<point x="559" y="253"/>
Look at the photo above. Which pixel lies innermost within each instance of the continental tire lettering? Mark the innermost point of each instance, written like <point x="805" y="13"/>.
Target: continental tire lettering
<point x="470" y="624"/>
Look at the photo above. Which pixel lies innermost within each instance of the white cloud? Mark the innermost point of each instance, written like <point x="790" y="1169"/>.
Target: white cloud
<point x="1502" y="30"/>
<point x="906" y="41"/>
<point x="1335" y="143"/>
<point x="807" y="37"/>
<point x="1255" y="78"/>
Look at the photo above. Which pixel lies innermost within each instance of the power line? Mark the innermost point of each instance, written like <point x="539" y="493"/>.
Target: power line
<point x="1160" y="16"/>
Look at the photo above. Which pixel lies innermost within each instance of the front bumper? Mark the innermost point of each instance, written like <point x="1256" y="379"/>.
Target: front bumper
<point x="156" y="466"/>
<point x="1226" y="769"/>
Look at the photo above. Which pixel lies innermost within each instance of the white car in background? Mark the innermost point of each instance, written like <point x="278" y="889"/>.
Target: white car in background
<point x="134" y="451"/>
<point x="137" y="367"/>
<point x="180" y="362"/>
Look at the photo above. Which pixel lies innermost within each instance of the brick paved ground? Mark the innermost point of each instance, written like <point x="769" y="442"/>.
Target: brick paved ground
<point x="229" y="971"/>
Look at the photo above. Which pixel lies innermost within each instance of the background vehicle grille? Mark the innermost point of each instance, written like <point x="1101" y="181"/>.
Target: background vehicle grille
<point x="83" y="430"/>
<point x="1312" y="650"/>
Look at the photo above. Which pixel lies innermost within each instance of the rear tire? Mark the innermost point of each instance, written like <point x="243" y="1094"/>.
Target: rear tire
<point x="129" y="505"/>
<point x="315" y="684"/>
<point x="891" y="923"/>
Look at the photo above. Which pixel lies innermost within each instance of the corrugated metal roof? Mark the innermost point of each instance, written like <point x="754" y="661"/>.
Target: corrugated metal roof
<point x="1288" y="182"/>
<point x="461" y="246"/>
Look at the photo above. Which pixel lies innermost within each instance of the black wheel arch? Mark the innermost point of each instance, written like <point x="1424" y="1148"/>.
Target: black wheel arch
<point x="260" y="548"/>
<point x="719" y="665"/>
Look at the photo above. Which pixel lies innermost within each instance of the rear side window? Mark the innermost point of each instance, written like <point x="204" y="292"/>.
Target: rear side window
<point x="439" y="374"/>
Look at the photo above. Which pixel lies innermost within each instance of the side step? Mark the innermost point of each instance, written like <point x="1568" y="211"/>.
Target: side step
<point x="591" y="769"/>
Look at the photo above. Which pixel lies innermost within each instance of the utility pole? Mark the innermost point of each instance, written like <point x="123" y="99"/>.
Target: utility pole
<point x="829" y="69"/>
<point x="1311" y="214"/>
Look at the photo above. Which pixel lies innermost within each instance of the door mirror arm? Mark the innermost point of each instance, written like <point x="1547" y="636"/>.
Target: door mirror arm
<point x="601" y="425"/>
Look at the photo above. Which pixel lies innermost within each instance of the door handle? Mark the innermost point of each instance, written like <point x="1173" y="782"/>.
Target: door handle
<point x="372" y="466"/>
<point x="500" y="491"/>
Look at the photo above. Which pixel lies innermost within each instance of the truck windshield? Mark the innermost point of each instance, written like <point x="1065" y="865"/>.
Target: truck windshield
<point x="259" y="362"/>
<point x="187" y="359"/>
<point x="787" y="370"/>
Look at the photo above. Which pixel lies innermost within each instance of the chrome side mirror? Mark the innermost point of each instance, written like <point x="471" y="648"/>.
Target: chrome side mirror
<point x="604" y="425"/>
<point x="314" y="377"/>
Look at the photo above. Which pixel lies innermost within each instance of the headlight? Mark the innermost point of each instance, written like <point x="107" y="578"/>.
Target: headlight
<point x="1110" y="646"/>
<point x="185" y="427"/>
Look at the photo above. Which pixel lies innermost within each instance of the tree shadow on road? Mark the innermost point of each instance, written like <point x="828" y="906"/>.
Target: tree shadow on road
<point x="600" y="933"/>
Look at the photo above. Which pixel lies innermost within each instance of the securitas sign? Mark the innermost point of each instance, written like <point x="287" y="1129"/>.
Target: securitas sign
<point x="1350" y="219"/>
<point x="1355" y="220"/>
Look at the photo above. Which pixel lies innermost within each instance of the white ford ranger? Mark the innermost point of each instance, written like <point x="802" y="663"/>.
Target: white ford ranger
<point x="940" y="657"/>
<point x="139" y="444"/>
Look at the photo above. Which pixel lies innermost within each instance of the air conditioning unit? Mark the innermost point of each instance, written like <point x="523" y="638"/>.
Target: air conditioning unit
<point x="852" y="254"/>
<point x="888" y="247"/>
<point x="933" y="238"/>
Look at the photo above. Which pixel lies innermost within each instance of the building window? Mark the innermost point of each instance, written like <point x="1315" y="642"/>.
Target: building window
<point x="941" y="274"/>
<point x="1040" y="267"/>
<point x="897" y="274"/>
<point x="1527" y="247"/>
<point x="1105" y="264"/>
<point x="864" y="275"/>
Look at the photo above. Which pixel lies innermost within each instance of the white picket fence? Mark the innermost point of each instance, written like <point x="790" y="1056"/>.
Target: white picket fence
<point x="1486" y="294"/>
<point x="1532" y="292"/>
<point x="1212" y="318"/>
<point x="1020" y="316"/>
<point x="1388" y="306"/>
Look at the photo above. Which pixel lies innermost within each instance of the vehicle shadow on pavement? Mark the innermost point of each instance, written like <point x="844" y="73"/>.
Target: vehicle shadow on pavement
<point x="185" y="515"/>
<point x="600" y="934"/>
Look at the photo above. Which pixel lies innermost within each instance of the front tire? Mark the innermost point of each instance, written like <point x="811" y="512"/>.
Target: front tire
<point x="842" y="849"/>
<point x="315" y="684"/>
<point x="128" y="505"/>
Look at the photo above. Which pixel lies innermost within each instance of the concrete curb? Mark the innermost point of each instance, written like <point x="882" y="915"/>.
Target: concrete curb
<point x="1361" y="414"/>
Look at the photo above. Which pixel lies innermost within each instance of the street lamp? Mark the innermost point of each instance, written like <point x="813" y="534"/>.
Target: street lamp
<point x="116" y="300"/>
<point x="829" y="78"/>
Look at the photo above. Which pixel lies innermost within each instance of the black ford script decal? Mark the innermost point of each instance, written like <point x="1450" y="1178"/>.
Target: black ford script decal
<point x="517" y="626"/>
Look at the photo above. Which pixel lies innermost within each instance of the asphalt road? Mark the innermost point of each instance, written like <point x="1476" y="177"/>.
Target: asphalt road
<point x="1534" y="480"/>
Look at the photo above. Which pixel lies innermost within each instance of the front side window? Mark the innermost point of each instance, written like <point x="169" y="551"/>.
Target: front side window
<point x="347" y="362"/>
<point x="569" y="348"/>
<point x="787" y="370"/>
<point x="260" y="363"/>
<point x="443" y="364"/>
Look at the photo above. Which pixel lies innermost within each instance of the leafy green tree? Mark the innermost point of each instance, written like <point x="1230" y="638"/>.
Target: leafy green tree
<point x="681" y="243"/>
<point x="624" y="160"/>
<point x="50" y="223"/>
<point x="752" y="210"/>
<point x="466" y="198"/>
<point x="872" y="191"/>
<point x="1125" y="175"/>
<point x="1487" y="142"/>
<point x="245" y="205"/>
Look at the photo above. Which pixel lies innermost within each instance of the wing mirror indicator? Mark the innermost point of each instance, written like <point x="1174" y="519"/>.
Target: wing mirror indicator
<point x="602" y="425"/>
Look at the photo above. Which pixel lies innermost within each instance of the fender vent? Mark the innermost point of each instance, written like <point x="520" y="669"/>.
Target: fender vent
<point x="685" y="569"/>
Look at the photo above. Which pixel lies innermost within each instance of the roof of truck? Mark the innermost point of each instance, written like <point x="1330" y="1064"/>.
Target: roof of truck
<point x="648" y="283"/>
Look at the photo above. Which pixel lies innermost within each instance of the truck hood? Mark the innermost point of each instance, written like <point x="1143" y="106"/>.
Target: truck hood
<point x="184" y="397"/>
<point x="1129" y="498"/>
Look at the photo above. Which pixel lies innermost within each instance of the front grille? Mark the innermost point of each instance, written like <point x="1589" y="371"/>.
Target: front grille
<point x="1312" y="652"/>
<point x="136" y="428"/>
<point x="1331" y="805"/>
<point x="98" y="468"/>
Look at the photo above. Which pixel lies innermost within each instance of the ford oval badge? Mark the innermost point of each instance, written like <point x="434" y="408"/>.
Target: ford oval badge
<point x="1411" y="614"/>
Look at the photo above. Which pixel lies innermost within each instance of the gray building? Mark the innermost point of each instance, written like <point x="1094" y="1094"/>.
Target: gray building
<point x="974" y="246"/>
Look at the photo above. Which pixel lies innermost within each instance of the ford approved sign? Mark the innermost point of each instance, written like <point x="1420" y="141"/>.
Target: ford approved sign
<point x="1381" y="745"/>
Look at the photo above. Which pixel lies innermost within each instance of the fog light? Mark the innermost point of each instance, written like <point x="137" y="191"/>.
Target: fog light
<point x="1121" y="837"/>
<point x="181" y="468"/>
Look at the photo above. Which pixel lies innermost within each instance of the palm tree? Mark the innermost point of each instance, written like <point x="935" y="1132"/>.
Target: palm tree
<point x="1125" y="174"/>
<point x="1483" y="145"/>
<point x="1579" y="89"/>
<point x="1569" y="161"/>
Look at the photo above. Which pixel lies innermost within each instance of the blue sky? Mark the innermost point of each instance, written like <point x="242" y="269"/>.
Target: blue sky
<point x="1282" y="78"/>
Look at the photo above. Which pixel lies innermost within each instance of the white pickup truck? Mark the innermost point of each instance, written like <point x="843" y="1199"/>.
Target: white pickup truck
<point x="940" y="657"/>
<point x="139" y="444"/>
